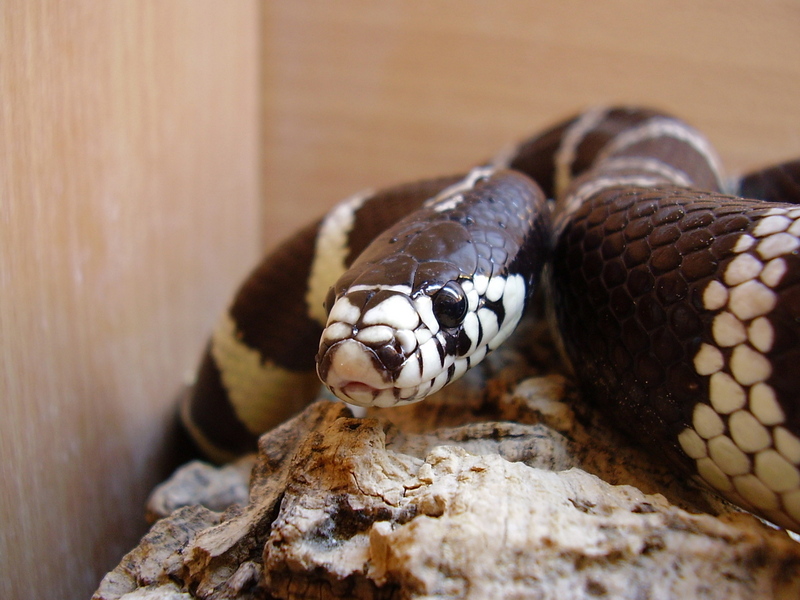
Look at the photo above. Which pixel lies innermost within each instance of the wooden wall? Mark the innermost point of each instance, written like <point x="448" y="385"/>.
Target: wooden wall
<point x="361" y="94"/>
<point x="148" y="148"/>
<point x="128" y="202"/>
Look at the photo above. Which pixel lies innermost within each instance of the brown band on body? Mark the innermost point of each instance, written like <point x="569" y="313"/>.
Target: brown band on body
<point x="615" y="121"/>
<point x="269" y="310"/>
<point x="212" y="419"/>
<point x="780" y="183"/>
<point x="385" y="208"/>
<point x="536" y="157"/>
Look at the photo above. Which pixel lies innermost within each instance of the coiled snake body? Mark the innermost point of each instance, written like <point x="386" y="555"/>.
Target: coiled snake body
<point x="677" y="305"/>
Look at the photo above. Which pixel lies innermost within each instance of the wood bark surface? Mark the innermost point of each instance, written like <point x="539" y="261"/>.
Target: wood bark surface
<point x="508" y="487"/>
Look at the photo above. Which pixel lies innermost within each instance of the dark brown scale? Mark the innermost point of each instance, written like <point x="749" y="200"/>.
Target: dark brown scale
<point x="699" y="265"/>
<point x="636" y="303"/>
<point x="693" y="241"/>
<point x="642" y="309"/>
<point x="662" y="236"/>
<point x="637" y="253"/>
<point x="620" y="302"/>
<point x="671" y="287"/>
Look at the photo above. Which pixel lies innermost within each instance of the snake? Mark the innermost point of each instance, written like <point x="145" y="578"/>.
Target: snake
<point x="673" y="292"/>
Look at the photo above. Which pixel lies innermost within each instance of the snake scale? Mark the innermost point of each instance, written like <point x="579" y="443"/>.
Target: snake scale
<point x="676" y="304"/>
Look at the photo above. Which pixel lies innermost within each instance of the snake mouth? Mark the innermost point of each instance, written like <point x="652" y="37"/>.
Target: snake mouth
<point x="354" y="373"/>
<point x="360" y="394"/>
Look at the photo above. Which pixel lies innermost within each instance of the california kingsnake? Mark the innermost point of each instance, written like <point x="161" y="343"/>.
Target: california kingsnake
<point x="677" y="305"/>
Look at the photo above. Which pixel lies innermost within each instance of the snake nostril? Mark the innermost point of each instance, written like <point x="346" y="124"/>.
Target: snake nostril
<point x="390" y="357"/>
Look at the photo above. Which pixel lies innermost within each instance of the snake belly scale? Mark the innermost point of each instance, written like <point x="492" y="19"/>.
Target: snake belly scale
<point x="674" y="295"/>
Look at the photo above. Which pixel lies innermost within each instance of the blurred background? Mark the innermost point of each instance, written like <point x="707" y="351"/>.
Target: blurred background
<point x="150" y="151"/>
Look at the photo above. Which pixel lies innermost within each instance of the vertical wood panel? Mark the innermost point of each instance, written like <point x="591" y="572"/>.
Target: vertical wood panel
<point x="360" y="93"/>
<point x="128" y="209"/>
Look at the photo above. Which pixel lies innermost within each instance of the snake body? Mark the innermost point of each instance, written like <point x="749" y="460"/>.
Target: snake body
<point x="677" y="305"/>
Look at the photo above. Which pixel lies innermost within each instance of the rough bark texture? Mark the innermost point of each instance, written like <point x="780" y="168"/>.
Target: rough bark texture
<point x="496" y="489"/>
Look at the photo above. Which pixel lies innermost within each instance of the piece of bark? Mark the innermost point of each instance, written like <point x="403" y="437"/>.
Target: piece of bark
<point x="198" y="482"/>
<point x="491" y="490"/>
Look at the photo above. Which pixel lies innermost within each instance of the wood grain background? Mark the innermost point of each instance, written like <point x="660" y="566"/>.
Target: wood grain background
<point x="129" y="199"/>
<point x="148" y="149"/>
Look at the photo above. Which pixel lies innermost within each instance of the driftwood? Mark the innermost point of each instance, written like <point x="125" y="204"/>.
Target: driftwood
<point x="495" y="489"/>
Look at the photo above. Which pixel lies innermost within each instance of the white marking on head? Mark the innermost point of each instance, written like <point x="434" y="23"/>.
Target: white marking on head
<point x="424" y="306"/>
<point x="513" y="305"/>
<point x="471" y="327"/>
<point x="395" y="311"/>
<point x="478" y="355"/>
<point x="429" y="357"/>
<point x="408" y="339"/>
<point x="377" y="334"/>
<point x="775" y="211"/>
<point x="344" y="311"/>
<point x="481" y="283"/>
<point x="439" y="382"/>
<point x="460" y="367"/>
<point x="330" y="251"/>
<point x="495" y="289"/>
<point x="423" y="334"/>
<point x="489" y="324"/>
<point x="409" y="373"/>
<point x="473" y="299"/>
<point x="337" y="331"/>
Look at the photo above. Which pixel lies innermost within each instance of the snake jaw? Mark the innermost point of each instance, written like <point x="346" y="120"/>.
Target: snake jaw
<point x="354" y="373"/>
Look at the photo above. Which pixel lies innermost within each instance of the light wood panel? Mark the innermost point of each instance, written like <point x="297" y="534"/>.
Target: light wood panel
<point x="361" y="93"/>
<point x="128" y="209"/>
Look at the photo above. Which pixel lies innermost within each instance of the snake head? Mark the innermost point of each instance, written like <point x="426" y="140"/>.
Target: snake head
<point x="430" y="297"/>
<point x="388" y="346"/>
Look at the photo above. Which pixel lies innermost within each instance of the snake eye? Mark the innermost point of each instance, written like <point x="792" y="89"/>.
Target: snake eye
<point x="450" y="304"/>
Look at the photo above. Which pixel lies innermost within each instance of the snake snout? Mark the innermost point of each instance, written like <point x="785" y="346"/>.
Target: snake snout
<point x="353" y="372"/>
